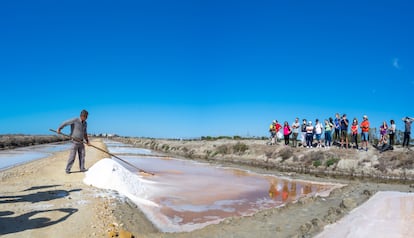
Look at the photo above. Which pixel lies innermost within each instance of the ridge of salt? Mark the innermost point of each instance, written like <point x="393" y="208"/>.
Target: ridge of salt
<point x="108" y="174"/>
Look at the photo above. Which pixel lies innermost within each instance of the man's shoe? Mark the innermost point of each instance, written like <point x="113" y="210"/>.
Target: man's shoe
<point x="67" y="172"/>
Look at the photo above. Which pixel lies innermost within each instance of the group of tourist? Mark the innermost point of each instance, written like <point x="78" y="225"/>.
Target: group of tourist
<point x="337" y="130"/>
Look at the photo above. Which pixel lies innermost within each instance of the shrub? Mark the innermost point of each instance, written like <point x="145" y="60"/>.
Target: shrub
<point x="237" y="138"/>
<point x="317" y="163"/>
<point x="223" y="149"/>
<point x="309" y="158"/>
<point x="240" y="148"/>
<point x="331" y="162"/>
<point x="286" y="153"/>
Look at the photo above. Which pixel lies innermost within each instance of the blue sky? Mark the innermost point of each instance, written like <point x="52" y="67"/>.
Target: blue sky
<point x="198" y="68"/>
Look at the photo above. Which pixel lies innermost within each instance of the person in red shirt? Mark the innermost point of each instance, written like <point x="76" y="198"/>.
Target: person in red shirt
<point x="278" y="133"/>
<point x="354" y="131"/>
<point x="364" y="133"/>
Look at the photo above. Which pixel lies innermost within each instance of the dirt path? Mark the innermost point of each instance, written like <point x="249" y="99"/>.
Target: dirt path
<point x="39" y="199"/>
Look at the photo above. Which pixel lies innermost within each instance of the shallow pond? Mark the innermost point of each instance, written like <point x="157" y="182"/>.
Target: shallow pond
<point x="185" y="195"/>
<point x="13" y="157"/>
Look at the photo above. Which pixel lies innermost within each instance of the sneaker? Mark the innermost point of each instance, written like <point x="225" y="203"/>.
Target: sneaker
<point x="67" y="172"/>
<point x="83" y="170"/>
<point x="366" y="149"/>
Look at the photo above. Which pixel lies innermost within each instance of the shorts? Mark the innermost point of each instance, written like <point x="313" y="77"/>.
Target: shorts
<point x="344" y="134"/>
<point x="318" y="136"/>
<point x="364" y="136"/>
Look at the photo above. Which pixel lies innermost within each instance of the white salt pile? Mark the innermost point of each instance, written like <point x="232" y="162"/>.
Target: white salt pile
<point x="108" y="174"/>
<point x="386" y="214"/>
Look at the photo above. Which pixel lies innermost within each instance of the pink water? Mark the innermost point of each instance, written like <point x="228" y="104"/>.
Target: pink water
<point x="192" y="195"/>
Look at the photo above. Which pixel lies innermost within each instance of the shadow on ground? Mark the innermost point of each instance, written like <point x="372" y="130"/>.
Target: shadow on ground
<point x="26" y="221"/>
<point x="40" y="196"/>
<point x="37" y="218"/>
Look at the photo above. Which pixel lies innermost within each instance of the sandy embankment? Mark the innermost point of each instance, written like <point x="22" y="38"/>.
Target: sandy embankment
<point x="39" y="199"/>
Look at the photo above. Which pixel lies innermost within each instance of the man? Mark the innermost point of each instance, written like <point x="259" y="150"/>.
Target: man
<point x="344" y="131"/>
<point x="407" y="132"/>
<point x="295" y="132"/>
<point x="78" y="132"/>
<point x="364" y="132"/>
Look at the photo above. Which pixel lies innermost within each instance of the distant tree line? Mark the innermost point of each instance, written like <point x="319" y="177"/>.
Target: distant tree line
<point x="10" y="141"/>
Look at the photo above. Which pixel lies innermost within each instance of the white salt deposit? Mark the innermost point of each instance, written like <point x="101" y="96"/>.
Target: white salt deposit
<point x="386" y="214"/>
<point x="108" y="174"/>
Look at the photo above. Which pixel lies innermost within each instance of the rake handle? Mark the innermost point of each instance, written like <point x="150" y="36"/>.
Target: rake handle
<point x="100" y="149"/>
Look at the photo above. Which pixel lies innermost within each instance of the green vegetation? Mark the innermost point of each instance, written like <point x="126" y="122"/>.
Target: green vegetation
<point x="331" y="162"/>
<point x="223" y="149"/>
<point x="165" y="147"/>
<point x="240" y="148"/>
<point x="317" y="163"/>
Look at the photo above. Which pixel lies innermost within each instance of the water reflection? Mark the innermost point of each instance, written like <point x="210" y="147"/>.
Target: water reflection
<point x="282" y="190"/>
<point x="192" y="195"/>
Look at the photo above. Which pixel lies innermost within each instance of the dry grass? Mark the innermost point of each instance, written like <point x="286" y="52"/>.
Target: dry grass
<point x="396" y="161"/>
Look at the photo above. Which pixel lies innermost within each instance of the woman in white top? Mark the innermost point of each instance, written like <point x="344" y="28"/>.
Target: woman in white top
<point x="309" y="135"/>
<point x="318" y="133"/>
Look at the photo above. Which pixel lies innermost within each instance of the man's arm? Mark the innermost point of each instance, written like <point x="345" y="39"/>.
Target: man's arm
<point x="85" y="133"/>
<point x="65" y="123"/>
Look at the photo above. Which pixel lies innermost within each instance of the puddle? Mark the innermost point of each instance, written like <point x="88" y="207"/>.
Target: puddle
<point x="13" y="157"/>
<point x="185" y="195"/>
